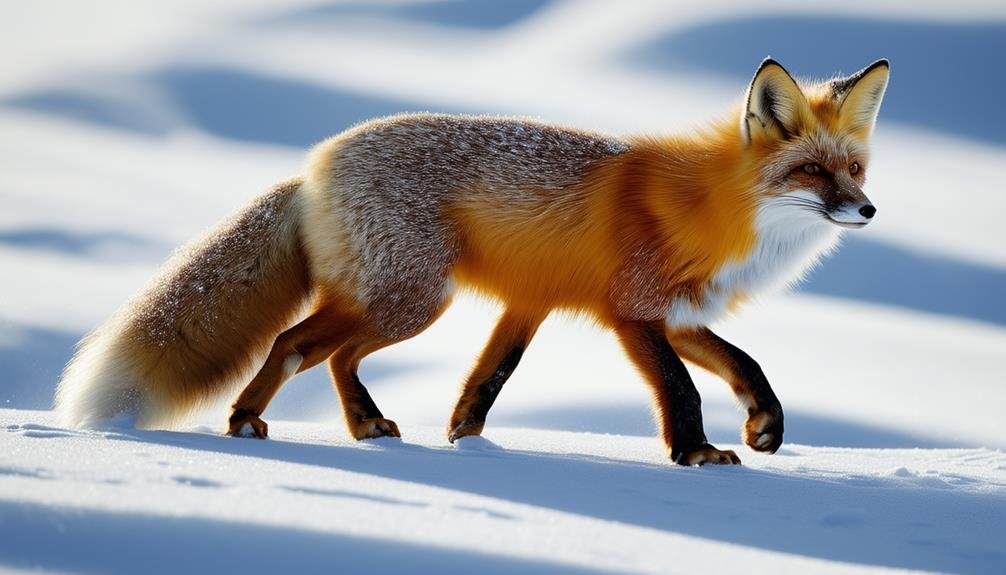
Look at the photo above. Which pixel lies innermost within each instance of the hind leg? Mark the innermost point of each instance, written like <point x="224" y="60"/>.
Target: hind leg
<point x="363" y="418"/>
<point x="299" y="348"/>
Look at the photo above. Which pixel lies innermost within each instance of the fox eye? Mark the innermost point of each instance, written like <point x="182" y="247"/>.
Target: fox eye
<point x="854" y="168"/>
<point x="812" y="169"/>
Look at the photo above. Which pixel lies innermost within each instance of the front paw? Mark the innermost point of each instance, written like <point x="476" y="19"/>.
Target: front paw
<point x="706" y="453"/>
<point x="763" y="429"/>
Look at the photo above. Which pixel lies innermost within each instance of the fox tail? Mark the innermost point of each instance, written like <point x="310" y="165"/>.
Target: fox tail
<point x="201" y="327"/>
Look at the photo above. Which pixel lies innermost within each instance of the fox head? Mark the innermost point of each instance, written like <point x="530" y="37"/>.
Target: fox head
<point x="812" y="139"/>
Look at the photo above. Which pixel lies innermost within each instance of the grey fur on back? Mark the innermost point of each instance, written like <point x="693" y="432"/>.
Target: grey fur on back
<point x="389" y="181"/>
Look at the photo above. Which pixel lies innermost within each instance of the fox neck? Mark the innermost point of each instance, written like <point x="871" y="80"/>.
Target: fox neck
<point x="773" y="241"/>
<point x="788" y="245"/>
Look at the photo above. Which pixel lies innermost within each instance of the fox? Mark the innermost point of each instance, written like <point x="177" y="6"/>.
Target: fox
<point x="653" y="237"/>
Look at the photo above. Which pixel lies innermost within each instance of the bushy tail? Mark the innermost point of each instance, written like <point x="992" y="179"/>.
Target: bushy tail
<point x="201" y="327"/>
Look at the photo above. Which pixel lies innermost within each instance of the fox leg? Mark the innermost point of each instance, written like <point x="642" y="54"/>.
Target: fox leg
<point x="764" y="426"/>
<point x="679" y="406"/>
<point x="363" y="418"/>
<point x="299" y="348"/>
<point x="499" y="358"/>
<point x="407" y="307"/>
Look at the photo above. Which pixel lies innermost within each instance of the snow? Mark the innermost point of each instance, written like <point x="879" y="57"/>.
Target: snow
<point x="134" y="126"/>
<point x="524" y="499"/>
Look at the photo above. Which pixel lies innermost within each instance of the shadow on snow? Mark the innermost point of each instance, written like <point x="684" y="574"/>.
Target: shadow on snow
<point x="933" y="64"/>
<point x="105" y="245"/>
<point x="226" y="102"/>
<point x="91" y="541"/>
<point x="883" y="273"/>
<point x="32" y="359"/>
<point x="722" y="423"/>
<point x="470" y="14"/>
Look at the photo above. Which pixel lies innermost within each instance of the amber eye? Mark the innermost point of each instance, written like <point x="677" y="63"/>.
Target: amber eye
<point x="812" y="169"/>
<point x="854" y="168"/>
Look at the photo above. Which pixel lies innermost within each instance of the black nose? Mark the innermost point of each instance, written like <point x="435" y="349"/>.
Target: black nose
<point x="867" y="211"/>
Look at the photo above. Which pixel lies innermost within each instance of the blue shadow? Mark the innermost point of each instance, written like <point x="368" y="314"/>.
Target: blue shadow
<point x="226" y="102"/>
<point x="32" y="359"/>
<point x="312" y="396"/>
<point x="108" y="245"/>
<point x="243" y="105"/>
<point x="877" y="272"/>
<point x="474" y="14"/>
<point x="122" y="114"/>
<point x="944" y="76"/>
<point x="47" y="538"/>
<point x="637" y="420"/>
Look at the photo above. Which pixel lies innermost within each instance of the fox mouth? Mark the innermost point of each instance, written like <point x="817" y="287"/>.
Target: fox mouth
<point x="853" y="216"/>
<point x="847" y="225"/>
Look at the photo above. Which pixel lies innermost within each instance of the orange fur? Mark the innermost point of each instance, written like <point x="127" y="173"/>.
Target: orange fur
<point x="672" y="195"/>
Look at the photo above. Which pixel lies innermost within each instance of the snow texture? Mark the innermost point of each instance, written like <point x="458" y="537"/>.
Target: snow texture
<point x="540" y="501"/>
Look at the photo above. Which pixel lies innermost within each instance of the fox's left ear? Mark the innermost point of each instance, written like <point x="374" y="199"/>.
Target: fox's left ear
<point x="859" y="97"/>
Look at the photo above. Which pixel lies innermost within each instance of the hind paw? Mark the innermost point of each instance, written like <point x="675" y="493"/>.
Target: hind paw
<point x="465" y="429"/>
<point x="706" y="453"/>
<point x="375" y="427"/>
<point x="246" y="424"/>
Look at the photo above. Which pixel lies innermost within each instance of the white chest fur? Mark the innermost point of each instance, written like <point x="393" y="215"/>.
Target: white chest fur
<point x="791" y="240"/>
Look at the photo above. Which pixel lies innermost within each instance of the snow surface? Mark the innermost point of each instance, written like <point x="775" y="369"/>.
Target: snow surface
<point x="127" y="128"/>
<point x="525" y="500"/>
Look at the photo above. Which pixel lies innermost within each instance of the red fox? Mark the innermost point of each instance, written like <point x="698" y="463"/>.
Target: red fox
<point x="654" y="237"/>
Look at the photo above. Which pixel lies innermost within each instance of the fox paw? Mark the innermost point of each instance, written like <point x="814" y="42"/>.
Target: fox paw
<point x="464" y="429"/>
<point x="763" y="430"/>
<point x="706" y="453"/>
<point x="246" y="424"/>
<point x="375" y="427"/>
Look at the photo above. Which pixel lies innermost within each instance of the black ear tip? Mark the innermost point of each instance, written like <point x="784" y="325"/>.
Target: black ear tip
<point x="768" y="61"/>
<point x="881" y="63"/>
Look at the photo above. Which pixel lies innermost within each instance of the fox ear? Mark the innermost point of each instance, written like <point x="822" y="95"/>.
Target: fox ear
<point x="775" y="104"/>
<point x="859" y="97"/>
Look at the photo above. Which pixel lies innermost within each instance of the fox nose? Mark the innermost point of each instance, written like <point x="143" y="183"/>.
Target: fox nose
<point x="867" y="211"/>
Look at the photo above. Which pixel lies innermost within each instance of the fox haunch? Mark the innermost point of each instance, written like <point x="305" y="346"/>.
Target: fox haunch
<point x="654" y="237"/>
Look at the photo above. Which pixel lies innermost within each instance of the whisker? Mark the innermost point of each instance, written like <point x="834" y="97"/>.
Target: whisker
<point x="808" y="204"/>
